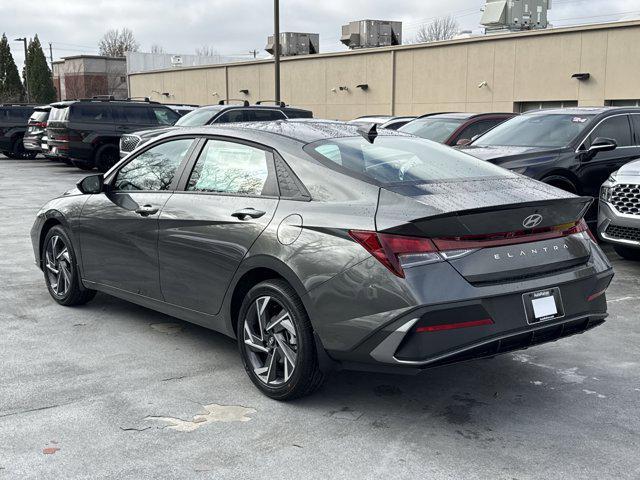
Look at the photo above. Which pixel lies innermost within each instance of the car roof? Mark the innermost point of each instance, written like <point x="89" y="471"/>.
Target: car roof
<point x="301" y="130"/>
<point x="466" y="115"/>
<point x="582" y="110"/>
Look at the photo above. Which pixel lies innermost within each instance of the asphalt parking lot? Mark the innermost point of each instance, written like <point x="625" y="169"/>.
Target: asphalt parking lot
<point x="112" y="390"/>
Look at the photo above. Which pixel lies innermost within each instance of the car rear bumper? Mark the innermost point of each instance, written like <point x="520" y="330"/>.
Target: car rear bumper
<point x="618" y="228"/>
<point x="33" y="142"/>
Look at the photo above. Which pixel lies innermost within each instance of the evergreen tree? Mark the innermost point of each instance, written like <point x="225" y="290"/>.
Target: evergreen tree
<point x="41" y="89"/>
<point x="11" y="88"/>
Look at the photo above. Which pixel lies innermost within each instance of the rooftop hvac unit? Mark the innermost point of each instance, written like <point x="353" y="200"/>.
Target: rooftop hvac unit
<point x="292" y="44"/>
<point x="515" y="15"/>
<point x="176" y="61"/>
<point x="371" y="33"/>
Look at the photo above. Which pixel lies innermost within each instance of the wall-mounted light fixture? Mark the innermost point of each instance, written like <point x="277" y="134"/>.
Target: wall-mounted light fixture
<point x="363" y="86"/>
<point x="163" y="94"/>
<point x="483" y="84"/>
<point x="215" y="94"/>
<point x="343" y="89"/>
<point x="581" y="76"/>
<point x="244" y="91"/>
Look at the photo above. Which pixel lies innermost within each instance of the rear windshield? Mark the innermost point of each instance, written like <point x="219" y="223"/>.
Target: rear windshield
<point x="39" y="116"/>
<point x="59" y="114"/>
<point x="436" y="129"/>
<point x="400" y="159"/>
<point x="536" y="130"/>
<point x="197" y="118"/>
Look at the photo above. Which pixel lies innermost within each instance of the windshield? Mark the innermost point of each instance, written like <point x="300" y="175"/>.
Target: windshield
<point x="400" y="159"/>
<point x="436" y="129"/>
<point x="536" y="130"/>
<point x="196" y="118"/>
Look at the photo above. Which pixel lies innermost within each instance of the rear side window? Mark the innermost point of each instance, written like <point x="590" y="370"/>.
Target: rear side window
<point x="232" y="168"/>
<point x="299" y="114"/>
<point x="392" y="160"/>
<point x="262" y="115"/>
<point x="154" y="169"/>
<point x="636" y="127"/>
<point x="616" y="128"/>
<point x="136" y="114"/>
<point x="91" y="113"/>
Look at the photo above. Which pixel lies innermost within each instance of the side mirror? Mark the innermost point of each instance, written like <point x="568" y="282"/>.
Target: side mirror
<point x="602" y="144"/>
<point x="91" y="184"/>
<point x="462" y="142"/>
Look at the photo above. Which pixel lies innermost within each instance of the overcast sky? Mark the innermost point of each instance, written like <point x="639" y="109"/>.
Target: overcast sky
<point x="235" y="27"/>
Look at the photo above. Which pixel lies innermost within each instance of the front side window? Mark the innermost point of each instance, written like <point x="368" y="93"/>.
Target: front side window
<point x="435" y="129"/>
<point x="478" y="128"/>
<point x="262" y="115"/>
<point x="165" y="116"/>
<point x="616" y="128"/>
<point x="232" y="116"/>
<point x="394" y="160"/>
<point x="553" y="130"/>
<point x="136" y="115"/>
<point x="154" y="169"/>
<point x="231" y="168"/>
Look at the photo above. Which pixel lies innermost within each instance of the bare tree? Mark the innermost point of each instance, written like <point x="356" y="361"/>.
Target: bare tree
<point x="155" y="48"/>
<point x="206" y="51"/>
<point x="443" y="28"/>
<point x="116" y="42"/>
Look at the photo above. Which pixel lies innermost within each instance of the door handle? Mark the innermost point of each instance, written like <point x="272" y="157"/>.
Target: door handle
<point x="247" y="213"/>
<point x="147" y="210"/>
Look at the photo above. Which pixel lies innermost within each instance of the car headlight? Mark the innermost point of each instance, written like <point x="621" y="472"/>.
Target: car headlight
<point x="605" y="193"/>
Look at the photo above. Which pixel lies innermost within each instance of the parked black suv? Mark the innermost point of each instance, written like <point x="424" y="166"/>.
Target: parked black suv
<point x="575" y="149"/>
<point x="35" y="139"/>
<point x="13" y="125"/>
<point x="223" y="112"/>
<point x="87" y="132"/>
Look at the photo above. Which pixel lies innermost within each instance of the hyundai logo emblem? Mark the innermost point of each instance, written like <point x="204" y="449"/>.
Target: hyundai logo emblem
<point x="532" y="221"/>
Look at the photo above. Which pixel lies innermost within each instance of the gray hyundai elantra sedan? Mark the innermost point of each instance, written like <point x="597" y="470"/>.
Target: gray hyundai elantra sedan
<point x="323" y="245"/>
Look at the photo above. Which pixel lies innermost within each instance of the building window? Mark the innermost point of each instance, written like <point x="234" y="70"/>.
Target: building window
<point x="622" y="103"/>
<point x="522" y="107"/>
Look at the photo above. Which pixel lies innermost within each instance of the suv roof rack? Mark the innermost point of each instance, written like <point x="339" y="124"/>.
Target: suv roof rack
<point x="111" y="98"/>
<point x="245" y="103"/>
<point x="278" y="104"/>
<point x="18" y="104"/>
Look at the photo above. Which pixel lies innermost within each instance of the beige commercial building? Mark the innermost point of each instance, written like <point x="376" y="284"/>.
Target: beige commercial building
<point x="499" y="72"/>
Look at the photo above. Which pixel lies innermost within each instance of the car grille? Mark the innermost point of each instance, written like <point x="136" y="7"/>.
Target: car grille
<point x="129" y="142"/>
<point x="626" y="199"/>
<point x="623" y="233"/>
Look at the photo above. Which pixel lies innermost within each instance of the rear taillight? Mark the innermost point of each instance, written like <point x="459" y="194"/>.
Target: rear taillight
<point x="38" y="124"/>
<point x="398" y="251"/>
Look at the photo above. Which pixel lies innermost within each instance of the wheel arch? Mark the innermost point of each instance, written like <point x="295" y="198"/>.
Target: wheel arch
<point x="252" y="272"/>
<point x="563" y="175"/>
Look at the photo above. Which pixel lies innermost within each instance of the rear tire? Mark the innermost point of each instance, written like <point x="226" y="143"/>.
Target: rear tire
<point x="287" y="346"/>
<point x="106" y="157"/>
<point x="61" y="274"/>
<point x="627" y="253"/>
<point x="20" y="152"/>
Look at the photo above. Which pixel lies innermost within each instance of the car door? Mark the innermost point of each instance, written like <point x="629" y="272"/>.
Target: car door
<point x="224" y="202"/>
<point x="595" y="170"/>
<point x="118" y="229"/>
<point x="134" y="117"/>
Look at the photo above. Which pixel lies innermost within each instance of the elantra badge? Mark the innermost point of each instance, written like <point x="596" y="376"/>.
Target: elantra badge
<point x="532" y="221"/>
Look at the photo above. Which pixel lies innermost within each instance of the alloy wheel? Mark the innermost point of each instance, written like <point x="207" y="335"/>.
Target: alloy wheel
<point x="271" y="341"/>
<point x="58" y="265"/>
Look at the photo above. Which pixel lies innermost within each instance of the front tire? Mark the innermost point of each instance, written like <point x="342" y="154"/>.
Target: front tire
<point x="60" y="267"/>
<point x="627" y="253"/>
<point x="276" y="342"/>
<point x="106" y="157"/>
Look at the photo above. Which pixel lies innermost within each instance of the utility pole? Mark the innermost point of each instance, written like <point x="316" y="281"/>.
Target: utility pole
<point x="51" y="57"/>
<point x="276" y="46"/>
<point x="254" y="53"/>
<point x="26" y="80"/>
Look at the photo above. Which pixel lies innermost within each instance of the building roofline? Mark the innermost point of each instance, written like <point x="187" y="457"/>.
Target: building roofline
<point x="458" y="41"/>
<point x="100" y="57"/>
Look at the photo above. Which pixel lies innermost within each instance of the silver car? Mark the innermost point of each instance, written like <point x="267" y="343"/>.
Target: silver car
<point x="619" y="213"/>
